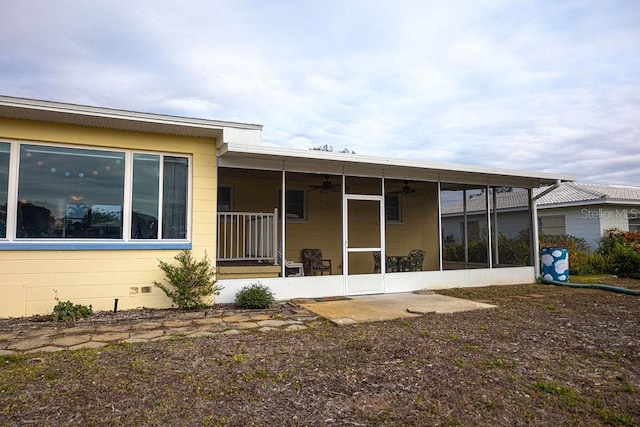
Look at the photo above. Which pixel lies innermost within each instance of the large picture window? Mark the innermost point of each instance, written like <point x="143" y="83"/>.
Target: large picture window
<point x="70" y="193"/>
<point x="79" y="193"/>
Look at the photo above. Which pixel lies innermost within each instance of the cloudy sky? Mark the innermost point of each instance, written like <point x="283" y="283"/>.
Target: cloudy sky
<point x="536" y="85"/>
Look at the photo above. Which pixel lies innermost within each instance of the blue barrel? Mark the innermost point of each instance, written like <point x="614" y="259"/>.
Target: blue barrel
<point x="555" y="264"/>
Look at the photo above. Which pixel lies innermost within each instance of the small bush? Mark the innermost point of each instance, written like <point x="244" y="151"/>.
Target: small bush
<point x="625" y="262"/>
<point x="192" y="281"/>
<point x="616" y="236"/>
<point x="66" y="311"/>
<point x="573" y="244"/>
<point x="621" y="249"/>
<point x="254" y="295"/>
<point x="516" y="250"/>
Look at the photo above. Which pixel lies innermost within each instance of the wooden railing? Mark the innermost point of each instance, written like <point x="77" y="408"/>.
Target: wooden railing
<point x="247" y="236"/>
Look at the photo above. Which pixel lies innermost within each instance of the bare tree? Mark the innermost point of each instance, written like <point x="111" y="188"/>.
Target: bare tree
<point x="329" y="148"/>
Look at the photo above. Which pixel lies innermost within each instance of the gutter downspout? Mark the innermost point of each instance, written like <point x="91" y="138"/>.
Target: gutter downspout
<point x="534" y="228"/>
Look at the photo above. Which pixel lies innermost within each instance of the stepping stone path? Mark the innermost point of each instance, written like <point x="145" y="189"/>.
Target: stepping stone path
<point x="34" y="337"/>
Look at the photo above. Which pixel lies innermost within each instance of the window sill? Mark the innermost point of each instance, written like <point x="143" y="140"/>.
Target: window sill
<point x="92" y="246"/>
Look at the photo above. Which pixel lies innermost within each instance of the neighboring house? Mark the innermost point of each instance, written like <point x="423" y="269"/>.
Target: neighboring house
<point x="92" y="198"/>
<point x="575" y="209"/>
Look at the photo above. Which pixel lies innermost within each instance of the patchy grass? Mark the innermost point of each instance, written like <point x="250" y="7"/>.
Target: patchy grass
<point x="521" y="363"/>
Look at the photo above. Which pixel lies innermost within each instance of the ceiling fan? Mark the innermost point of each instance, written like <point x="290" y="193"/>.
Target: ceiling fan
<point x="406" y="190"/>
<point x="326" y="186"/>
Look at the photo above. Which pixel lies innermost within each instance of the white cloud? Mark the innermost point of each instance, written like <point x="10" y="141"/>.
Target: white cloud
<point x="489" y="82"/>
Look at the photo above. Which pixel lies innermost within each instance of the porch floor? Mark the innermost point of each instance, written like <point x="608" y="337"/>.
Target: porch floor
<point x="374" y="308"/>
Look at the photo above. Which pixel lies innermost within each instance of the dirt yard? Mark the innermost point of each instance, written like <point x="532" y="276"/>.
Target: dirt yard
<point x="545" y="356"/>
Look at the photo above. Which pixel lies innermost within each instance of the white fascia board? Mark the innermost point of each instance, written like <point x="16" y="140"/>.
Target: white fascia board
<point x="125" y="115"/>
<point x="240" y="136"/>
<point x="354" y="159"/>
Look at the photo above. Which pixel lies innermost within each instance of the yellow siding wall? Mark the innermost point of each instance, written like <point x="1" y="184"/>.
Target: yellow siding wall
<point x="28" y="278"/>
<point x="322" y="229"/>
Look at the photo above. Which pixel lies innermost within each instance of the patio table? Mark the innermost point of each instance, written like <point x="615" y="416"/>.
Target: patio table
<point x="395" y="262"/>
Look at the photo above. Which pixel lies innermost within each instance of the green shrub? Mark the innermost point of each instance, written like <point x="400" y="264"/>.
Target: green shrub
<point x="516" y="250"/>
<point x="596" y="263"/>
<point x="66" y="311"/>
<point x="192" y="281"/>
<point x="254" y="295"/>
<point x="453" y="252"/>
<point x="622" y="251"/>
<point x="625" y="261"/>
<point x="571" y="243"/>
<point x="616" y="236"/>
<point x="477" y="250"/>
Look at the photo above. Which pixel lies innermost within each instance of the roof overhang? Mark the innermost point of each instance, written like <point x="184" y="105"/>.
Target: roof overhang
<point x="311" y="161"/>
<point x="81" y="115"/>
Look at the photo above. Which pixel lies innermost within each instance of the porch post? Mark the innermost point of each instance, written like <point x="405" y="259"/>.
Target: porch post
<point x="283" y="214"/>
<point x="465" y="231"/>
<point x="496" y="255"/>
<point x="274" y="233"/>
<point x="345" y="238"/>
<point x="489" y="229"/>
<point x="440" y="250"/>
<point x="533" y="206"/>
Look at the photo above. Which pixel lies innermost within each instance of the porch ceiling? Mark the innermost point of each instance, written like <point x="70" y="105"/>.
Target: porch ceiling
<point x="310" y="161"/>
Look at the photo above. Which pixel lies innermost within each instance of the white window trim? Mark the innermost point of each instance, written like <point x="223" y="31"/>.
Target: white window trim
<point x="11" y="242"/>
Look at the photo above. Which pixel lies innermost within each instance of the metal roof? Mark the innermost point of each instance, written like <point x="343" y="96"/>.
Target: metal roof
<point x="566" y="194"/>
<point x="575" y="194"/>
<point x="296" y="160"/>
<point x="82" y="115"/>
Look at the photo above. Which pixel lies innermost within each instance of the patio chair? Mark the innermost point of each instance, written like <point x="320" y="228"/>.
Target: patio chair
<point x="391" y="263"/>
<point x="313" y="262"/>
<point x="291" y="269"/>
<point x="415" y="259"/>
<point x="376" y="262"/>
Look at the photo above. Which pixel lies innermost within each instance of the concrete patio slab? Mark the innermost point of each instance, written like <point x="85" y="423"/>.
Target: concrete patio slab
<point x="375" y="308"/>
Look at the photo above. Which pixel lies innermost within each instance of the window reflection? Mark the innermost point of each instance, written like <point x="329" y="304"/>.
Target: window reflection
<point x="511" y="226"/>
<point x="146" y="190"/>
<point x="464" y="226"/>
<point x="70" y="193"/>
<point x="77" y="193"/>
<point x="174" y="198"/>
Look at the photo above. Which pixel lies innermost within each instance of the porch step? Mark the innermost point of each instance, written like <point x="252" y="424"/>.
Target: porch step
<point x="255" y="271"/>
